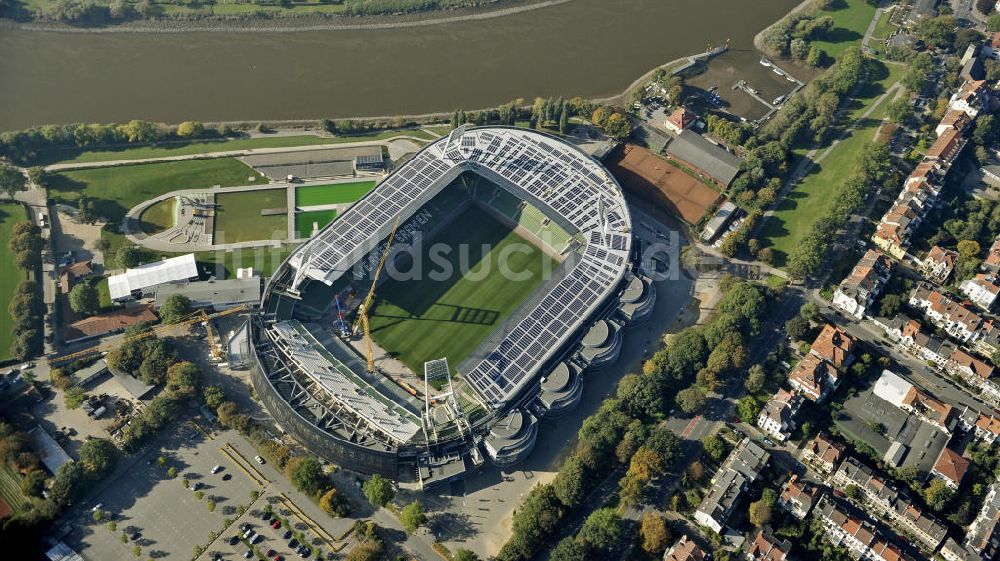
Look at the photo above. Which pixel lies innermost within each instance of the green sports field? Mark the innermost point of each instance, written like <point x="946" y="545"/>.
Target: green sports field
<point x="421" y="320"/>
<point x="10" y="274"/>
<point x="238" y="216"/>
<point x="332" y="193"/>
<point x="304" y="221"/>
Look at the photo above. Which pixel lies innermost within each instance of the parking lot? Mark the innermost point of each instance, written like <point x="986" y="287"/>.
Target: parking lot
<point x="156" y="512"/>
<point x="275" y="532"/>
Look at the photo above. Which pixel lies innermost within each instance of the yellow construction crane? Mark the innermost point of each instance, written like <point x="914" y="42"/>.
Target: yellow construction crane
<point x="363" y="308"/>
<point x="170" y="329"/>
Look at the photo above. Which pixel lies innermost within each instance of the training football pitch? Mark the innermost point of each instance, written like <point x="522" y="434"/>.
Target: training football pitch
<point x="426" y="319"/>
<point x="238" y="216"/>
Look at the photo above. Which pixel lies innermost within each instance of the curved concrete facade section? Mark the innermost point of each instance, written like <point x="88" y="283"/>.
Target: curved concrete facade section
<point x="638" y="300"/>
<point x="602" y="344"/>
<point x="512" y="438"/>
<point x="562" y="389"/>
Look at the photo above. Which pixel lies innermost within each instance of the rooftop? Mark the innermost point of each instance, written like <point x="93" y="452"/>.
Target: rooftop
<point x="710" y="158"/>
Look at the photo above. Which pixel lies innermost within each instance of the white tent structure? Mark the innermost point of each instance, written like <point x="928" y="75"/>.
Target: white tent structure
<point x="175" y="269"/>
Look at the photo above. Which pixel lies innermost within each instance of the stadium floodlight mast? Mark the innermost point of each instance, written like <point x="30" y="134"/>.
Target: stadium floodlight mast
<point x="454" y="137"/>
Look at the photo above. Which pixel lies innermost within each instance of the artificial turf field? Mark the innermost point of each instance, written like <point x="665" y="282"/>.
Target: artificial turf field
<point x="304" y="221"/>
<point x="332" y="193"/>
<point x="421" y="320"/>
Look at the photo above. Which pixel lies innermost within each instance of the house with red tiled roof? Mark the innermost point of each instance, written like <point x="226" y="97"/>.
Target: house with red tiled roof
<point x="857" y="292"/>
<point x="798" y="497"/>
<point x="988" y="428"/>
<point x="975" y="372"/>
<point x="766" y="547"/>
<point x="106" y="324"/>
<point x="823" y="453"/>
<point x="938" y="264"/>
<point x="814" y="378"/>
<point x="680" y="119"/>
<point x="951" y="467"/>
<point x="953" y="119"/>
<point x="684" y="549"/>
<point x="944" y="312"/>
<point x="992" y="262"/>
<point x="73" y="273"/>
<point x="777" y="417"/>
<point x="971" y="98"/>
<point x="946" y="148"/>
<point x="834" y="345"/>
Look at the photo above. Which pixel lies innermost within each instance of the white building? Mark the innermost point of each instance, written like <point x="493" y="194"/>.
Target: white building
<point x="777" y="417"/>
<point x="134" y="282"/>
<point x="982" y="290"/>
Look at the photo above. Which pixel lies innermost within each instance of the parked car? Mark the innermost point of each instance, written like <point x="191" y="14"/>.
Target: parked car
<point x="248" y="554"/>
<point x="259" y="460"/>
<point x="265" y="515"/>
<point x="226" y="476"/>
<point x="216" y="469"/>
<point x="270" y="553"/>
<point x="276" y="524"/>
<point x="234" y="540"/>
<point x="287" y="534"/>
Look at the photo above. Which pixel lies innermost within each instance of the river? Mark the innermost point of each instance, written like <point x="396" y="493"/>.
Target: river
<point x="591" y="48"/>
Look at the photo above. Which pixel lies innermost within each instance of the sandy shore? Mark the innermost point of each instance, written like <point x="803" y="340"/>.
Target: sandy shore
<point x="287" y="24"/>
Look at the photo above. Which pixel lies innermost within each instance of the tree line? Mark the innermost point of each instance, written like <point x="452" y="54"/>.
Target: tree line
<point x="624" y="433"/>
<point x="26" y="307"/>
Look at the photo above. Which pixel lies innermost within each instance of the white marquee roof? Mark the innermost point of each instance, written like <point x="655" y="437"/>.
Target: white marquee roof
<point x="152" y="274"/>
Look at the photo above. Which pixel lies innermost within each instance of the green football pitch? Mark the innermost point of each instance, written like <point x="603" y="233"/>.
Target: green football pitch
<point x="332" y="193"/>
<point x="426" y="319"/>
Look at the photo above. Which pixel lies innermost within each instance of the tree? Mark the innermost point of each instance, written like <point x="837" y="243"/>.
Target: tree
<point x="938" y="494"/>
<point x="900" y="111"/>
<point x="797" y="328"/>
<point x="213" y="396"/>
<point x="27" y="259"/>
<point x="890" y="306"/>
<point x="98" y="456"/>
<point x="74" y="397"/>
<point x="378" y="490"/>
<point x="655" y="535"/>
<point x="571" y="483"/>
<point x="748" y="408"/>
<point x="67" y="484"/>
<point x="568" y="549"/>
<point x="462" y="554"/>
<point x="760" y="513"/>
<point x="810" y="311"/>
<point x="12" y="180"/>
<point x="59" y="379"/>
<point x="618" y="126"/>
<point x="330" y="501"/>
<point x="33" y="483"/>
<point x="412" y="516"/>
<point x="993" y="23"/>
<point x="714" y="447"/>
<point x="129" y="256"/>
<point x="756" y="378"/>
<point x="84" y="299"/>
<point x="602" y="529"/>
<point x="968" y="248"/>
<point x="816" y="56"/>
<point x="183" y="378"/>
<point x="308" y="477"/>
<point x="210" y="505"/>
<point x="367" y="551"/>
<point x="691" y="399"/>
<point x="564" y="120"/>
<point x="190" y="129"/>
<point x="175" y="308"/>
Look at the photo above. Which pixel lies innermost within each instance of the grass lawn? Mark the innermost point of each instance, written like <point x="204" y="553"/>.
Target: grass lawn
<point x="883" y="28"/>
<point x="117" y="189"/>
<point x="332" y="193"/>
<point x="814" y="195"/>
<point x="850" y="21"/>
<point x="429" y="319"/>
<point x="238" y="216"/>
<point x="264" y="260"/>
<point x="103" y="293"/>
<point x="304" y="221"/>
<point x="76" y="155"/>
<point x="10" y="275"/>
<point x="158" y="217"/>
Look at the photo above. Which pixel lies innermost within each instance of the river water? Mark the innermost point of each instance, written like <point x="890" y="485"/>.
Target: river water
<point x="585" y="47"/>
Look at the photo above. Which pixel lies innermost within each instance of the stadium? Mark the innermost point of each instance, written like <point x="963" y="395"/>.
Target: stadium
<point x="467" y="366"/>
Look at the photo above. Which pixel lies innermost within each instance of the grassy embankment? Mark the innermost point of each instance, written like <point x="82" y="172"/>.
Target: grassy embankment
<point x="816" y="193"/>
<point x="10" y="275"/>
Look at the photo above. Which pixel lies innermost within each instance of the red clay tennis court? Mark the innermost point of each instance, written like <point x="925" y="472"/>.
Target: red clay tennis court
<point x="657" y="180"/>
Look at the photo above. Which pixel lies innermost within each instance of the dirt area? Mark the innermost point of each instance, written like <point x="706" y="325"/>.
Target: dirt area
<point x="656" y="180"/>
<point x="70" y="235"/>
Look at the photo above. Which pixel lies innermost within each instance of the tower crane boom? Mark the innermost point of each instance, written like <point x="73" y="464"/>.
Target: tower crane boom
<point x="365" y="306"/>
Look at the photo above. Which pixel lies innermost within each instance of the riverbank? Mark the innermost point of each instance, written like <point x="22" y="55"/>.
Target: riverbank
<point x="292" y="22"/>
<point x="757" y="39"/>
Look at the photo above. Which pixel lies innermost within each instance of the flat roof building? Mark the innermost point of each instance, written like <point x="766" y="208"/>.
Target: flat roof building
<point x="135" y="281"/>
<point x="710" y="159"/>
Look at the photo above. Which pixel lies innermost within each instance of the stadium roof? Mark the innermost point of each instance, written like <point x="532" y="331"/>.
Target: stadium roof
<point x="710" y="158"/>
<point x="554" y="176"/>
<point x="145" y="276"/>
<point x="344" y="386"/>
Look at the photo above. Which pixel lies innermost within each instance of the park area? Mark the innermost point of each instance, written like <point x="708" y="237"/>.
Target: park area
<point x="850" y="21"/>
<point x="816" y="193"/>
<point x="116" y="189"/>
<point x="245" y="216"/>
<point x="10" y="274"/>
<point x="331" y="193"/>
<point x="304" y="221"/>
<point x="660" y="182"/>
<point x="431" y="318"/>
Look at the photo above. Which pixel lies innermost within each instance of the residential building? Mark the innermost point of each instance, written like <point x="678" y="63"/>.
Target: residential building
<point x="798" y="497"/>
<point x="738" y="471"/>
<point x="974" y="371"/>
<point x="981" y="289"/>
<point x="907" y="397"/>
<point x="681" y="119"/>
<point x="892" y="235"/>
<point x="953" y="119"/>
<point x="970" y="98"/>
<point x="983" y="535"/>
<point x="988" y="428"/>
<point x="857" y="292"/>
<point x="951" y="467"/>
<point x="938" y="264"/>
<point x="813" y="377"/>
<point x="944" y="312"/>
<point x="992" y="262"/>
<point x="766" y="547"/>
<point x="881" y="498"/>
<point x="846" y="527"/>
<point x="106" y="324"/>
<point x="823" y="453"/>
<point x="946" y="148"/>
<point x="834" y="345"/>
<point x="684" y="549"/>
<point x="73" y="273"/>
<point x="777" y="417"/>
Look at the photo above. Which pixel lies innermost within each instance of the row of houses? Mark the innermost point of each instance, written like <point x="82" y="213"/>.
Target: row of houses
<point x="742" y="467"/>
<point x="921" y="189"/>
<point x="982" y="539"/>
<point x="813" y="378"/>
<point x="845" y="527"/>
